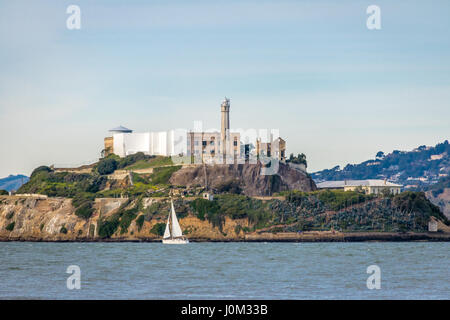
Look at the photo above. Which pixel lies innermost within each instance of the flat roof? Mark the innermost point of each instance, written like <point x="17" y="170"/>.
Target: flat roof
<point x="357" y="183"/>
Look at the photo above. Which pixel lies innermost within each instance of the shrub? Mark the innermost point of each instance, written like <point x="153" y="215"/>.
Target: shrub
<point x="83" y="204"/>
<point x="122" y="218"/>
<point x="132" y="159"/>
<point x="3" y="192"/>
<point x="85" y="211"/>
<point x="125" y="220"/>
<point x="162" y="175"/>
<point x="417" y="202"/>
<point x="140" y="222"/>
<point x="10" y="227"/>
<point x="107" y="228"/>
<point x="107" y="166"/>
<point x="40" y="169"/>
<point x="81" y="198"/>
<point x="10" y="215"/>
<point x="97" y="184"/>
<point x="63" y="230"/>
<point x="203" y="207"/>
<point x="137" y="178"/>
<point x="230" y="186"/>
<point x="158" y="229"/>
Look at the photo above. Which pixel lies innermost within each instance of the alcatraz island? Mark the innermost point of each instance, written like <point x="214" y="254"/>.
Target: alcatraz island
<point x="224" y="185"/>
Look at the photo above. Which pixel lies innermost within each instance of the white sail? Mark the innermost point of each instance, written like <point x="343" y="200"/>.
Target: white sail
<point x="167" y="231"/>
<point x="176" y="230"/>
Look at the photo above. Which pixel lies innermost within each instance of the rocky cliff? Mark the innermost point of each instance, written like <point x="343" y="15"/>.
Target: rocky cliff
<point x="250" y="178"/>
<point x="54" y="219"/>
<point x="298" y="216"/>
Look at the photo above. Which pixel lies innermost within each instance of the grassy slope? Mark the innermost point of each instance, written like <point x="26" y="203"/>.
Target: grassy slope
<point x="152" y="163"/>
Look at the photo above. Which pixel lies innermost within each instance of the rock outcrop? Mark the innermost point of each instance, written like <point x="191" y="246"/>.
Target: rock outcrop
<point x="251" y="178"/>
<point x="54" y="219"/>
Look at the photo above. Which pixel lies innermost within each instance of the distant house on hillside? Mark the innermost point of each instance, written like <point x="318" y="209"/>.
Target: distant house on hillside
<point x="432" y="225"/>
<point x="371" y="186"/>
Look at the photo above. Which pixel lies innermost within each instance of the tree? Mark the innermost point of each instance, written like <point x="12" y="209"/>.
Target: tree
<point x="299" y="159"/>
<point x="380" y="155"/>
<point x="40" y="169"/>
<point x="107" y="166"/>
<point x="385" y="192"/>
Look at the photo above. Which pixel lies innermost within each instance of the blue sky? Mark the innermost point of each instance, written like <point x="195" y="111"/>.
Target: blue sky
<point x="336" y="91"/>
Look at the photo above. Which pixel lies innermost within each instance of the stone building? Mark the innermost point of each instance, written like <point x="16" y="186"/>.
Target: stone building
<point x="215" y="147"/>
<point x="274" y="149"/>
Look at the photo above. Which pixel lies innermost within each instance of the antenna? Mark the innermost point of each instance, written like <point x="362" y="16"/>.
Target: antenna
<point x="206" y="178"/>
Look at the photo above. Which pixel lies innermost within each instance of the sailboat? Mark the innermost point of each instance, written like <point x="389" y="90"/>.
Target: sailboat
<point x="173" y="233"/>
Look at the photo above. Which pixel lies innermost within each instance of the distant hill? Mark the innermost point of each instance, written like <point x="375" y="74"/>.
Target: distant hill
<point x="439" y="194"/>
<point x="414" y="169"/>
<point x="13" y="182"/>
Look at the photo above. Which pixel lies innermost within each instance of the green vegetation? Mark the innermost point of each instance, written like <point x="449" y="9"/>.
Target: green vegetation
<point x="140" y="222"/>
<point x="158" y="229"/>
<point x="417" y="202"/>
<point x="438" y="188"/>
<point x="299" y="159"/>
<point x="338" y="199"/>
<point x="233" y="206"/>
<point x="85" y="210"/>
<point x="122" y="218"/>
<point x="41" y="169"/>
<point x="3" y="192"/>
<point x="106" y="228"/>
<point x="62" y="184"/>
<point x="10" y="227"/>
<point x="413" y="164"/>
<point x="107" y="166"/>
<point x="162" y="175"/>
<point x="83" y="204"/>
<point x="157" y="161"/>
<point x="137" y="178"/>
<point x="321" y="210"/>
<point x="203" y="207"/>
<point x="63" y="230"/>
<point x="9" y="215"/>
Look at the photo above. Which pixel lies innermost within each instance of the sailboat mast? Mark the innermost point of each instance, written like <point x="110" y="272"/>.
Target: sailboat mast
<point x="170" y="225"/>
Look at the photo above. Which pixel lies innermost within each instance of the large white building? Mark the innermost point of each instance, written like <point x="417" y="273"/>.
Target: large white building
<point x="151" y="143"/>
<point x="370" y="186"/>
<point x="125" y="142"/>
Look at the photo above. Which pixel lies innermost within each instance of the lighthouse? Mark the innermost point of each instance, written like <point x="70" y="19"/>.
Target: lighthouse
<point x="225" y="126"/>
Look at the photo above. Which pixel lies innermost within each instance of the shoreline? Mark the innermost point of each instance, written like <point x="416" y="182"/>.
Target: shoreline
<point x="277" y="237"/>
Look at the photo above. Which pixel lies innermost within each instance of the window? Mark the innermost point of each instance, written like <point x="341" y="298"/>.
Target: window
<point x="204" y="143"/>
<point x="235" y="143"/>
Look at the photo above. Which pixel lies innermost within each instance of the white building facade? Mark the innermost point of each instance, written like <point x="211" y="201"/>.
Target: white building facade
<point x="150" y="143"/>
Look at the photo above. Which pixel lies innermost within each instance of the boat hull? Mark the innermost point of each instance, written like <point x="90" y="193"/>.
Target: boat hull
<point x="175" y="241"/>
